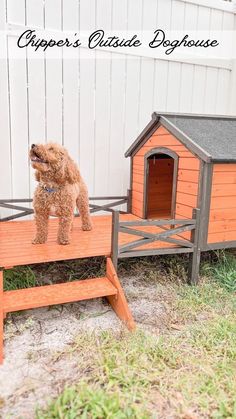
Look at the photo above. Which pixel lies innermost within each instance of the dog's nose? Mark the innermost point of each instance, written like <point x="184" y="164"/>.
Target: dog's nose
<point x="32" y="146"/>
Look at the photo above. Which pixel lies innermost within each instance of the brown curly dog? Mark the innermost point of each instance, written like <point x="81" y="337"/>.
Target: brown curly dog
<point x="60" y="189"/>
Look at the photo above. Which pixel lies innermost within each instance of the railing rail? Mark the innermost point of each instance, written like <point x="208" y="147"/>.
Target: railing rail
<point x="161" y="222"/>
<point x="108" y="207"/>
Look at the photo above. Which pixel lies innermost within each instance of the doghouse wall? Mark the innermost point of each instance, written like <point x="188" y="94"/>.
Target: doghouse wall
<point x="187" y="179"/>
<point x="222" y="221"/>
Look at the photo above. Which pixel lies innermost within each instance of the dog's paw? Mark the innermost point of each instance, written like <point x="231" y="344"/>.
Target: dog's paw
<point x="87" y="227"/>
<point x="39" y="240"/>
<point x="63" y="242"/>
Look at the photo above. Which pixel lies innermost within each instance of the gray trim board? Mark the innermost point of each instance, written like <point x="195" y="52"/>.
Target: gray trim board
<point x="145" y="138"/>
<point x="131" y="183"/>
<point x="192" y="115"/>
<point x="162" y="222"/>
<point x="153" y="252"/>
<point x="200" y="182"/>
<point x="223" y="161"/>
<point x="147" y="132"/>
<point x="174" y="184"/>
<point x="201" y="134"/>
<point x="161" y="150"/>
<point x="129" y="200"/>
<point x="219" y="245"/>
<point x="205" y="197"/>
<point x="152" y="126"/>
<point x="114" y="237"/>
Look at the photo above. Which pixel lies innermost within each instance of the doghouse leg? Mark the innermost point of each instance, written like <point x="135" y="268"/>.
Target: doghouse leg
<point x="1" y="316"/>
<point x="194" y="265"/>
<point x="118" y="301"/>
<point x="194" y="258"/>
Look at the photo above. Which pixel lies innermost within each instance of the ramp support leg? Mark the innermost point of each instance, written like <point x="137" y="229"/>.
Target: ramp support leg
<point x="118" y="301"/>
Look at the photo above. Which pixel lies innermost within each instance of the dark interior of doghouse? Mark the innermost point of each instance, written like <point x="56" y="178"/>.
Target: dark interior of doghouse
<point x="160" y="170"/>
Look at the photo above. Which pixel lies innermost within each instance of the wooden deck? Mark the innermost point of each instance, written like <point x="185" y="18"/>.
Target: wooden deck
<point x="16" y="236"/>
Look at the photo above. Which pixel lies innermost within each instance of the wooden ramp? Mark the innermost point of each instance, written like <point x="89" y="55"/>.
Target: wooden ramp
<point x="24" y="299"/>
<point x="105" y="239"/>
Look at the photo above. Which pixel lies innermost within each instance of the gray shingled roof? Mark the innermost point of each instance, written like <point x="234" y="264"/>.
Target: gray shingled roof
<point x="213" y="138"/>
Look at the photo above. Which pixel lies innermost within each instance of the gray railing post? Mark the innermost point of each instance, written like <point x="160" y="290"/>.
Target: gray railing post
<point x="195" y="256"/>
<point x="115" y="237"/>
<point x="129" y="202"/>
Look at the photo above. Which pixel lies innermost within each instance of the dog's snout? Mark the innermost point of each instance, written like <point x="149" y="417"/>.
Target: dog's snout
<point x="32" y="146"/>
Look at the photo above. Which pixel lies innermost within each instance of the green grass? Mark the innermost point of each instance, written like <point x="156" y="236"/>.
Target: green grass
<point x="208" y="299"/>
<point x="17" y="278"/>
<point x="121" y="373"/>
<point x="223" y="271"/>
<point x="84" y="401"/>
<point x="210" y="356"/>
<point x="49" y="273"/>
<point x="154" y="269"/>
<point x="193" y="370"/>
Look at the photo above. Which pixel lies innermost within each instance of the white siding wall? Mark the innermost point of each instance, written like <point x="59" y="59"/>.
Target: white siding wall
<point x="96" y="105"/>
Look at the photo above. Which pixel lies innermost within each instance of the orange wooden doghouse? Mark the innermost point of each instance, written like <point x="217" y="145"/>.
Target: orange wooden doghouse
<point x="182" y="199"/>
<point x="181" y="162"/>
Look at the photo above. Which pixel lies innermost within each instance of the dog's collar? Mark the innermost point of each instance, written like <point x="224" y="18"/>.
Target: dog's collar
<point x="48" y="189"/>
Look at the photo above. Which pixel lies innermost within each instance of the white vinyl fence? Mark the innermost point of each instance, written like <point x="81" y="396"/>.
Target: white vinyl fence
<point x="97" y="103"/>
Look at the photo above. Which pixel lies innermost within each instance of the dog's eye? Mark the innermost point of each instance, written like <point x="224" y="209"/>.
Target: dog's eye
<point x="51" y="149"/>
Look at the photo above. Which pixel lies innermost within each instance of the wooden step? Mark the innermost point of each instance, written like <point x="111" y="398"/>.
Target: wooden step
<point x="68" y="292"/>
<point x="57" y="294"/>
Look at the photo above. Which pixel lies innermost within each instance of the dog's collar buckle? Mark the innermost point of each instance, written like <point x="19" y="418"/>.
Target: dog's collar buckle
<point x="49" y="190"/>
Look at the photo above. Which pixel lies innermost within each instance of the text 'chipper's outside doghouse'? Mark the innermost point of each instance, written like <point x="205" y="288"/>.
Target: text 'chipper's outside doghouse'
<point x="182" y="199"/>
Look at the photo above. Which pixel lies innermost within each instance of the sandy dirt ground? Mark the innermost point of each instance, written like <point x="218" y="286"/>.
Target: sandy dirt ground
<point x="34" y="372"/>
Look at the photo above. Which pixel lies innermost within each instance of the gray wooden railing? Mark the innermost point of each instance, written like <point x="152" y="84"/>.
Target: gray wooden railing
<point x="13" y="204"/>
<point x="169" y="228"/>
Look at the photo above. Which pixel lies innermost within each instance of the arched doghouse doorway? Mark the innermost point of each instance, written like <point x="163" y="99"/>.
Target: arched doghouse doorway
<point x="161" y="165"/>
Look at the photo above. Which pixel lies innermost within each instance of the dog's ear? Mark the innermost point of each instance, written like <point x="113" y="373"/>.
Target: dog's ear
<point x="72" y="174"/>
<point x="37" y="176"/>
